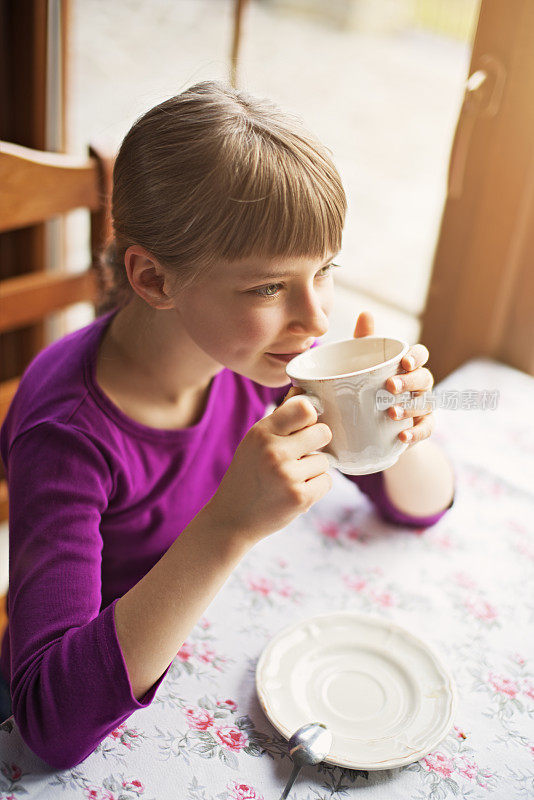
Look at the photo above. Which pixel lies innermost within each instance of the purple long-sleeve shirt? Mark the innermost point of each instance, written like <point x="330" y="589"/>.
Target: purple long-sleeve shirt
<point x="96" y="499"/>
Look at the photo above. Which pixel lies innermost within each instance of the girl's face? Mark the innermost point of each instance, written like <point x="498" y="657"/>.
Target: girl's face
<point x="253" y="316"/>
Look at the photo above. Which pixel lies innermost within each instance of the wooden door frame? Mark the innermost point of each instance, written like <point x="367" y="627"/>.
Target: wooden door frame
<point x="481" y="293"/>
<point x="24" y="119"/>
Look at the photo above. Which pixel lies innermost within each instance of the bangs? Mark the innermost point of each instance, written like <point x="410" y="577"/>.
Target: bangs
<point x="278" y="195"/>
<point x="286" y="202"/>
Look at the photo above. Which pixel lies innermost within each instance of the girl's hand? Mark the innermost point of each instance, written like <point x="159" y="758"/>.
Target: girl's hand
<point x="275" y="474"/>
<point x="417" y="380"/>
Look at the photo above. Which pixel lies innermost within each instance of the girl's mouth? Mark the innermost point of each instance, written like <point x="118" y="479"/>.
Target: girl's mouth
<point x="285" y="358"/>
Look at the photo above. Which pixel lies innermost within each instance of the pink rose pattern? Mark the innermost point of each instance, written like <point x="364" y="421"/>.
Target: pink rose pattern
<point x="452" y="770"/>
<point x="471" y="601"/>
<point x="11" y="775"/>
<point x="114" y="789"/>
<point x="199" y="719"/>
<point x="111" y="787"/>
<point x="375" y="593"/>
<point x="198" y="656"/>
<point x="263" y="592"/>
<point x="343" y="531"/>
<point x="232" y="738"/>
<point x="121" y="741"/>
<point x="508" y="693"/>
<point x="215" y="729"/>
<point x="242" y="791"/>
<point x="235" y="790"/>
<point x="464" y="582"/>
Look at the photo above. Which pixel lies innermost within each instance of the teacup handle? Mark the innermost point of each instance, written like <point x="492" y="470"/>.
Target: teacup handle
<point x="319" y="407"/>
<point x="316" y="402"/>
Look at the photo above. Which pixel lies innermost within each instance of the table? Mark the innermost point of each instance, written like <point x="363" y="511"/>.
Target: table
<point x="463" y="585"/>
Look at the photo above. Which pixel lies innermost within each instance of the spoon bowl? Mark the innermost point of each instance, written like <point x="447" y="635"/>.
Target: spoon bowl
<point x="309" y="745"/>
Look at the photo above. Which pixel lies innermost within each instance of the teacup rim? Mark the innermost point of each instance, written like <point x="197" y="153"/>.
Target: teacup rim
<point x="399" y="356"/>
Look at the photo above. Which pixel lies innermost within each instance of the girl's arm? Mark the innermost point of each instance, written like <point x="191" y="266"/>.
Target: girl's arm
<point x="69" y="681"/>
<point x="272" y="479"/>
<point x="421" y="482"/>
<point x="417" y="491"/>
<point x="69" y="687"/>
<point x="154" y="618"/>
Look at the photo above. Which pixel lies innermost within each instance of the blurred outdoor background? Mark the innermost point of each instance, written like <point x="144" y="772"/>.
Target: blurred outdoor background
<point x="381" y="82"/>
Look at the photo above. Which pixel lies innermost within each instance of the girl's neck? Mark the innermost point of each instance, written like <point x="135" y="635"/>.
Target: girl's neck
<point x="148" y="366"/>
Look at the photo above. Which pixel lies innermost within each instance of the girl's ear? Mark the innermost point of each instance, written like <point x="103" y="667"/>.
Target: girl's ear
<point x="147" y="277"/>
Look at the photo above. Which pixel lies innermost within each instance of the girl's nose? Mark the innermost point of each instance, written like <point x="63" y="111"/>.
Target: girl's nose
<point x="308" y="317"/>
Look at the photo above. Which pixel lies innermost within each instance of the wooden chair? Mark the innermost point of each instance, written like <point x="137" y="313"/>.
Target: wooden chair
<point x="35" y="187"/>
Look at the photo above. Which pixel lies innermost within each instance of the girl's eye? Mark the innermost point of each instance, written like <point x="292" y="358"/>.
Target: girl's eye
<point x="326" y="269"/>
<point x="273" y="288"/>
<point x="268" y="291"/>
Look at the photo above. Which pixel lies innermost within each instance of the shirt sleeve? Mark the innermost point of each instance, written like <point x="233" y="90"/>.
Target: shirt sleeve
<point x="69" y="682"/>
<point x="373" y="486"/>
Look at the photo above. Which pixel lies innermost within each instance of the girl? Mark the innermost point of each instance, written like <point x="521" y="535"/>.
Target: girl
<point x="142" y="465"/>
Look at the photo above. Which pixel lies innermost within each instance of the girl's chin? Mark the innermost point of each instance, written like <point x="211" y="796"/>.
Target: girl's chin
<point x="270" y="380"/>
<point x="274" y="384"/>
<point x="272" y="375"/>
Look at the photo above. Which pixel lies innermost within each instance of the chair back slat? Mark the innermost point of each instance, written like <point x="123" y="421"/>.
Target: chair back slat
<point x="4" y="503"/>
<point x="7" y="391"/>
<point x="29" y="298"/>
<point x="37" y="186"/>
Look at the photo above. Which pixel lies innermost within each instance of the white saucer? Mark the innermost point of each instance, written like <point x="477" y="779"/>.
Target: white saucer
<point x="383" y="692"/>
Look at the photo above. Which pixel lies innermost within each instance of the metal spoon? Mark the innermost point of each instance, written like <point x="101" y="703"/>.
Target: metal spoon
<point x="309" y="745"/>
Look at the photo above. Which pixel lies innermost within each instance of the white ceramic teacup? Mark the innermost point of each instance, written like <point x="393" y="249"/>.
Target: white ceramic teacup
<point x="345" y="381"/>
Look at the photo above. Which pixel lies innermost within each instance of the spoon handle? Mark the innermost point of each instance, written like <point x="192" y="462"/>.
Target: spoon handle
<point x="291" y="781"/>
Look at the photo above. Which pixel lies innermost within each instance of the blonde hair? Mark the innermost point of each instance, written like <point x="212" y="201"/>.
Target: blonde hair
<point x="212" y="175"/>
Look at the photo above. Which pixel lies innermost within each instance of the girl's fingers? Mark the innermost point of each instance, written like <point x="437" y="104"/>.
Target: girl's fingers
<point x="422" y="429"/>
<point x="404" y="412"/>
<point x="311" y="466"/>
<point x="295" y="390"/>
<point x="295" y="413"/>
<point x="418" y="354"/>
<point x="365" y="325"/>
<point x="420" y="379"/>
<point x="317" y="487"/>
<point x="304" y="442"/>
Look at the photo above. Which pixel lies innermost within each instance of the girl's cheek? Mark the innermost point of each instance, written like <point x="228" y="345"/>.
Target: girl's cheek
<point x="328" y="299"/>
<point x="245" y="334"/>
<point x="261" y="323"/>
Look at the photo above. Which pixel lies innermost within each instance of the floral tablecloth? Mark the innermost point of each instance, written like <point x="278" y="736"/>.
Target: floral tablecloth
<point x="464" y="585"/>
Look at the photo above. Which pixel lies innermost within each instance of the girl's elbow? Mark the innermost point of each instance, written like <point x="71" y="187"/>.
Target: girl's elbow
<point x="47" y="736"/>
<point x="396" y="517"/>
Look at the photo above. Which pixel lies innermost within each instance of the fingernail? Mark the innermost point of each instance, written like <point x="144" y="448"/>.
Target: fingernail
<point x="408" y="436"/>
<point x="397" y="384"/>
<point x="398" y="411"/>
<point x="410" y="361"/>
